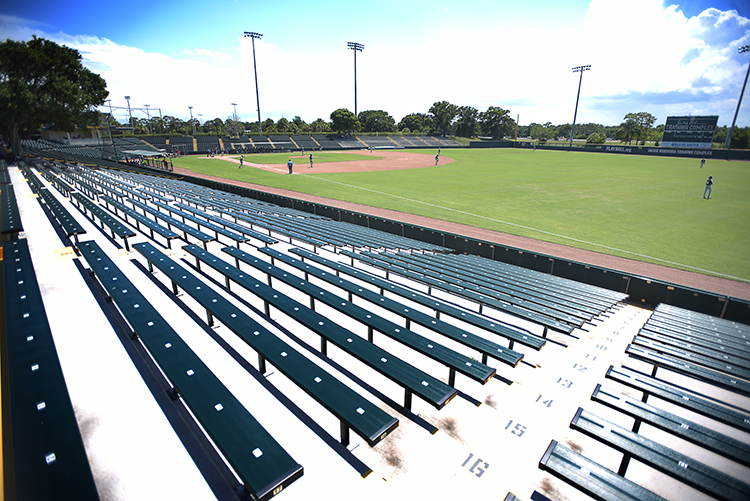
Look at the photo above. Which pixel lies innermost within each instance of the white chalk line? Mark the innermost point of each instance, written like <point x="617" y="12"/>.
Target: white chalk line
<point x="534" y="229"/>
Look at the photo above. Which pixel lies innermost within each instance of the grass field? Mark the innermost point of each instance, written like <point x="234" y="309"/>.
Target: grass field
<point x="645" y="208"/>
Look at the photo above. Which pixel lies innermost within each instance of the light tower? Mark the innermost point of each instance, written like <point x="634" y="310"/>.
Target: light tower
<point x="744" y="48"/>
<point x="234" y="118"/>
<point x="151" y="129"/>
<point x="577" y="69"/>
<point x="356" y="47"/>
<point x="191" y="118"/>
<point x="253" y="35"/>
<point x="127" y="98"/>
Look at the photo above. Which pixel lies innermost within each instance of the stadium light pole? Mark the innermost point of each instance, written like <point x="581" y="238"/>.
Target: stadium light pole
<point x="253" y="35"/>
<point x="235" y="116"/>
<point x="127" y="98"/>
<point x="577" y="69"/>
<point x="744" y="48"/>
<point x="356" y="47"/>
<point x="191" y="118"/>
<point x="150" y="128"/>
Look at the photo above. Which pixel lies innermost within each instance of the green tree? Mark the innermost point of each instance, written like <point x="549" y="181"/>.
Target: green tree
<point x="43" y="83"/>
<point x="415" y="122"/>
<point x="319" y="125"/>
<point x="299" y="124"/>
<point x="215" y="126"/>
<point x="376" y="121"/>
<point x="740" y="138"/>
<point x="596" y="138"/>
<point x="645" y="122"/>
<point x="269" y="126"/>
<point x="629" y="130"/>
<point x="443" y="114"/>
<point x="344" y="121"/>
<point x="467" y="121"/>
<point x="283" y="126"/>
<point x="544" y="132"/>
<point x="496" y="122"/>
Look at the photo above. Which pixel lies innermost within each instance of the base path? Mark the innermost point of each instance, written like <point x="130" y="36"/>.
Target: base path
<point x="407" y="160"/>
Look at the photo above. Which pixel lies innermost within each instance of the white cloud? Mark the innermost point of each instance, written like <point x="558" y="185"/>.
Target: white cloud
<point x="644" y="57"/>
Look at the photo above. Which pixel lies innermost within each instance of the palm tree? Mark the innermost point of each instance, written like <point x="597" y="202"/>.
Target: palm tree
<point x="629" y="130"/>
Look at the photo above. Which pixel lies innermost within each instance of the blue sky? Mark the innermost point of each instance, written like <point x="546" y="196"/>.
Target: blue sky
<point x="645" y="55"/>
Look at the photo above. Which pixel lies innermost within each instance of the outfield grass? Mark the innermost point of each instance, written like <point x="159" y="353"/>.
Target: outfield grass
<point x="645" y="208"/>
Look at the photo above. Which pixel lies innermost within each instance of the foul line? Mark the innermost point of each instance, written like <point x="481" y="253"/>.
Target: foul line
<point x="531" y="229"/>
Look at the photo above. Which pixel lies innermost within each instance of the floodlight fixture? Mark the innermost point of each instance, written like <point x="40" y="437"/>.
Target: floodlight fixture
<point x="253" y="35"/>
<point x="191" y="118"/>
<point x="356" y="47"/>
<point x="577" y="69"/>
<point x="235" y="111"/>
<point x="742" y="50"/>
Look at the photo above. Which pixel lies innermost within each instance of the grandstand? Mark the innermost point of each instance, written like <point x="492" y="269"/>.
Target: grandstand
<point x="244" y="349"/>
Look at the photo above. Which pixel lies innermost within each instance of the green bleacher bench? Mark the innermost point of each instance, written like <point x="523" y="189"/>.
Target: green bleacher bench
<point x="455" y="361"/>
<point x="547" y="305"/>
<point x="395" y="369"/>
<point x="536" y="307"/>
<point x="140" y="219"/>
<point x="710" y="357"/>
<point x="668" y="461"/>
<point x="701" y="320"/>
<point x="261" y="463"/>
<point x="486" y="347"/>
<point x="238" y="238"/>
<point x="10" y="223"/>
<point x="577" y="292"/>
<point x="43" y="450"/>
<point x="228" y="224"/>
<point x="514" y="335"/>
<point x="481" y="299"/>
<point x="557" y="298"/>
<point x="105" y="218"/>
<point x="662" y="325"/>
<point x="726" y="381"/>
<point x="717" y="349"/>
<point x="703" y="436"/>
<point x="678" y="396"/>
<point x="590" y="477"/>
<point x="68" y="223"/>
<point x="186" y="229"/>
<point x="291" y="234"/>
<point x="354" y="411"/>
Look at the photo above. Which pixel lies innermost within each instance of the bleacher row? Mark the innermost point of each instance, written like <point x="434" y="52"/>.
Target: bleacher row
<point x="244" y="144"/>
<point x="707" y="350"/>
<point x="363" y="283"/>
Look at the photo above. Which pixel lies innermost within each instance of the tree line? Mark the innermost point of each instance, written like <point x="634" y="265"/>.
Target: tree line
<point x="45" y="84"/>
